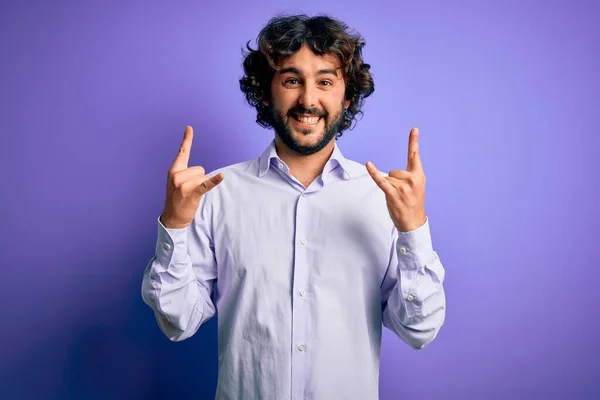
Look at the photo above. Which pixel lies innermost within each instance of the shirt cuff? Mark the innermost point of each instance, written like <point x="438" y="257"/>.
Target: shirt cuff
<point x="171" y="245"/>
<point x="414" y="248"/>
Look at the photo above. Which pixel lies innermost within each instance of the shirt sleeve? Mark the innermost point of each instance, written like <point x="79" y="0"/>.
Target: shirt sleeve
<point x="414" y="301"/>
<point x="178" y="280"/>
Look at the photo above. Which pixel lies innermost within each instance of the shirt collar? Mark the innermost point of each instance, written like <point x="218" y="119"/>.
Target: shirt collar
<point x="336" y="159"/>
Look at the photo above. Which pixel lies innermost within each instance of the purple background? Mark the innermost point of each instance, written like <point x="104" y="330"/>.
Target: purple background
<point x="95" y="97"/>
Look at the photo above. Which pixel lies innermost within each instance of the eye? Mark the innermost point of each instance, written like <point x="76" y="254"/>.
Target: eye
<point x="326" y="83"/>
<point x="292" y="81"/>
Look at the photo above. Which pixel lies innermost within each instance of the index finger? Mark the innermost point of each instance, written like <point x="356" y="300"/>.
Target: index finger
<point x="183" y="157"/>
<point x="414" y="159"/>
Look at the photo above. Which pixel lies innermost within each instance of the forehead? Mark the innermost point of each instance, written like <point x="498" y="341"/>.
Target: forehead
<point x="308" y="62"/>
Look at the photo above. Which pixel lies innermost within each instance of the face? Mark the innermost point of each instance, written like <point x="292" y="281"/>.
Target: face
<point x="307" y="101"/>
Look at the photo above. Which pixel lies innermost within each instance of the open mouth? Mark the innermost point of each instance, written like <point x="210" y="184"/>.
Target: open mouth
<point x="308" y="120"/>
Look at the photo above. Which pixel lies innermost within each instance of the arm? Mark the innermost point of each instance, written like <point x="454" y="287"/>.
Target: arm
<point x="414" y="301"/>
<point x="178" y="280"/>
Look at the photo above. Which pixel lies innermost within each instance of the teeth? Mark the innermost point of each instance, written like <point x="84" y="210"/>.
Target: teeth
<point x="308" y="120"/>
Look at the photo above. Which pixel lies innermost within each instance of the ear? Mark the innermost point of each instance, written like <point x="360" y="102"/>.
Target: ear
<point x="265" y="102"/>
<point x="346" y="104"/>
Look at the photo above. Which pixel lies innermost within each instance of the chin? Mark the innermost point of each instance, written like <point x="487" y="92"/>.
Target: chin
<point x="311" y="139"/>
<point x="310" y="134"/>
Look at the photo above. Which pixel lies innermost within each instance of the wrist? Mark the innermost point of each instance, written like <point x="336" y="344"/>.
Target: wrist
<point x="412" y="225"/>
<point x="170" y="223"/>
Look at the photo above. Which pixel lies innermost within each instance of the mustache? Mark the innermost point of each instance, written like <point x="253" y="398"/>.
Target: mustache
<point x="307" y="111"/>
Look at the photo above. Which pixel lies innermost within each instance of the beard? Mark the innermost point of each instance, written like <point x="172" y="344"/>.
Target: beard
<point x="281" y="125"/>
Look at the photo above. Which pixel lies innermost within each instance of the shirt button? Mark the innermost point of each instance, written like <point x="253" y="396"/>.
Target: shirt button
<point x="403" y="250"/>
<point x="302" y="293"/>
<point x="303" y="194"/>
<point x="280" y="166"/>
<point x="155" y="285"/>
<point x="410" y="297"/>
<point x="303" y="241"/>
<point x="167" y="246"/>
<point x="301" y="347"/>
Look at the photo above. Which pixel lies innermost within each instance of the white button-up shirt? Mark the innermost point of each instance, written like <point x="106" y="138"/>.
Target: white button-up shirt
<point x="302" y="279"/>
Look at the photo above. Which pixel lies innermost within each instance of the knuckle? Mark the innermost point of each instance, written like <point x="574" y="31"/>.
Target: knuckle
<point x="176" y="179"/>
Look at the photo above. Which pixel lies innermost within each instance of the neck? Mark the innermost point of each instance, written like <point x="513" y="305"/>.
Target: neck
<point x="304" y="168"/>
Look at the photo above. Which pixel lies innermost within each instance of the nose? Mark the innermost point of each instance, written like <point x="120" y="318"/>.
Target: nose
<point x="308" y="97"/>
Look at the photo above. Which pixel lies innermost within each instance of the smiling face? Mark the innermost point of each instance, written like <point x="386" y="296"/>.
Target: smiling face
<point x="307" y="100"/>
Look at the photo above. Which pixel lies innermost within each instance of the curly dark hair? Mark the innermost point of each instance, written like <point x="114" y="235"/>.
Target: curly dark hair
<point x="282" y="37"/>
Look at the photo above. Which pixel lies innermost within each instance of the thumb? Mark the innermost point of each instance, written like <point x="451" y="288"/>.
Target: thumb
<point x="379" y="179"/>
<point x="209" y="184"/>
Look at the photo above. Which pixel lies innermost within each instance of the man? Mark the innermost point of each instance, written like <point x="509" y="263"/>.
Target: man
<point x="304" y="253"/>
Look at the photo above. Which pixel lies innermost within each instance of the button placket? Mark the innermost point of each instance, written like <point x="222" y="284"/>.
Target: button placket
<point x="300" y="305"/>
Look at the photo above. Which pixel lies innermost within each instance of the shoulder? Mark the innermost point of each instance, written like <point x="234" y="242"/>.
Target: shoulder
<point x="237" y="170"/>
<point x="359" y="171"/>
<point x="238" y="175"/>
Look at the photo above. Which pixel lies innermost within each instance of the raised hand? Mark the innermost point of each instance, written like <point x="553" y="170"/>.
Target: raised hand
<point x="404" y="189"/>
<point x="185" y="187"/>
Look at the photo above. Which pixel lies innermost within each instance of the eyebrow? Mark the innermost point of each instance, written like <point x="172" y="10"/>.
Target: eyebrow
<point x="295" y="70"/>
